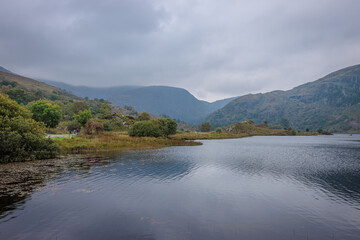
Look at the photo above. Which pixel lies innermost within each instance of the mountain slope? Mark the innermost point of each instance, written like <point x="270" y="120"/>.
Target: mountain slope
<point x="332" y="102"/>
<point x="4" y="70"/>
<point x="161" y="100"/>
<point x="25" y="90"/>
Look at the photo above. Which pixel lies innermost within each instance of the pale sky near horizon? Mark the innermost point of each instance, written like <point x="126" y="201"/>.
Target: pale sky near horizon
<point x="214" y="49"/>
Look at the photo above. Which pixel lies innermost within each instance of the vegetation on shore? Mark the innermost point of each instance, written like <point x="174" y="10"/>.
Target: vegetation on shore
<point x="21" y="137"/>
<point x="110" y="141"/>
<point x="240" y="130"/>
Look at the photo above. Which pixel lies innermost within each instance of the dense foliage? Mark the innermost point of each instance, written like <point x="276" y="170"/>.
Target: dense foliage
<point x="144" y="116"/>
<point x="83" y="117"/>
<point x="153" y="128"/>
<point x="21" y="137"/>
<point x="46" y="112"/>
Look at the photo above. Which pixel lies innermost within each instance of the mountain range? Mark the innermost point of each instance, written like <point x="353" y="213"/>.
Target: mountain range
<point x="174" y="102"/>
<point x="331" y="102"/>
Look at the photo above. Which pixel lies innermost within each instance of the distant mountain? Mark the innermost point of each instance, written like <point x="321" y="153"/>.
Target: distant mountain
<point x="175" y="102"/>
<point x="4" y="70"/>
<point x="332" y="102"/>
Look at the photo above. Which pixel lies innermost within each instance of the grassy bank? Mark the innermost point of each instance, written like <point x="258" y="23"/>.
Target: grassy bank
<point x="229" y="135"/>
<point x="111" y="141"/>
<point x="211" y="135"/>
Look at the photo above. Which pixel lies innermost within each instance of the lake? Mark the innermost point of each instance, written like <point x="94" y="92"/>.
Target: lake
<point x="269" y="187"/>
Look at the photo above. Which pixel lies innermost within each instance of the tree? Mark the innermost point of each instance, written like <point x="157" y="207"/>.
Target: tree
<point x="144" y="116"/>
<point x="83" y="116"/>
<point x="266" y="122"/>
<point x="205" y="127"/>
<point x="73" y="125"/>
<point x="19" y="95"/>
<point x="21" y="137"/>
<point x="78" y="106"/>
<point x="43" y="111"/>
<point x="104" y="111"/>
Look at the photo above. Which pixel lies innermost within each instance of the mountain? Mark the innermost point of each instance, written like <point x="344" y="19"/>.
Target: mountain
<point x="332" y="102"/>
<point x="4" y="70"/>
<point x="177" y="103"/>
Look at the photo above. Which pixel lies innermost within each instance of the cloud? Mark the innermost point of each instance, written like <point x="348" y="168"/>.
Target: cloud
<point x="214" y="49"/>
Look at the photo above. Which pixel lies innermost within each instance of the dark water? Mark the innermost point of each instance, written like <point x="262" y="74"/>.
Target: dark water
<point x="250" y="188"/>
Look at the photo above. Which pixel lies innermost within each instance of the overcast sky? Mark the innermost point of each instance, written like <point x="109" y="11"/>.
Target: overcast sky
<point x="214" y="49"/>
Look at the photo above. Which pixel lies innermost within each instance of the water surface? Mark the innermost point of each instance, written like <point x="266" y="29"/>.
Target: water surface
<point x="250" y="188"/>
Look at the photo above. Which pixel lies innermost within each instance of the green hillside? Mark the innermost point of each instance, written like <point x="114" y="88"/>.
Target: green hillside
<point x="332" y="102"/>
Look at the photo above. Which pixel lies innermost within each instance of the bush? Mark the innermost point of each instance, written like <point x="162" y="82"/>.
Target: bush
<point x="73" y="125"/>
<point x="153" y="128"/>
<point x="22" y="138"/>
<point x="205" y="127"/>
<point x="94" y="128"/>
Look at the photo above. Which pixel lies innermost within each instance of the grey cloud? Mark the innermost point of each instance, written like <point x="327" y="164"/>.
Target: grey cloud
<point x="214" y="49"/>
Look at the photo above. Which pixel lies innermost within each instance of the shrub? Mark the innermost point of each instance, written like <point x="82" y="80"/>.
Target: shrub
<point x="205" y="127"/>
<point x="153" y="128"/>
<point x="22" y="138"/>
<point x="218" y="130"/>
<point x="94" y="128"/>
<point x="167" y="126"/>
<point x="73" y="125"/>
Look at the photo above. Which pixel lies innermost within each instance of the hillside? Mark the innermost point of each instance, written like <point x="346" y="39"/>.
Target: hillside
<point x="25" y="90"/>
<point x="177" y="103"/>
<point x="4" y="70"/>
<point x="332" y="102"/>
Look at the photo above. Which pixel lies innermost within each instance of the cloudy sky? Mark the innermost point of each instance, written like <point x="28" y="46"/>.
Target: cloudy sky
<point x="214" y="49"/>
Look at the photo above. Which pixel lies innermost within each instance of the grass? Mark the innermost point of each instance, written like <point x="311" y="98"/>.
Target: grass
<point x="211" y="135"/>
<point x="240" y="132"/>
<point x="111" y="141"/>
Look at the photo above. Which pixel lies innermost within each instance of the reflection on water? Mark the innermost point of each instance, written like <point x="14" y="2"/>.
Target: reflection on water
<point x="250" y="188"/>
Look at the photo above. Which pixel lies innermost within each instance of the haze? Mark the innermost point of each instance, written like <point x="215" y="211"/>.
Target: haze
<point x="214" y="49"/>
